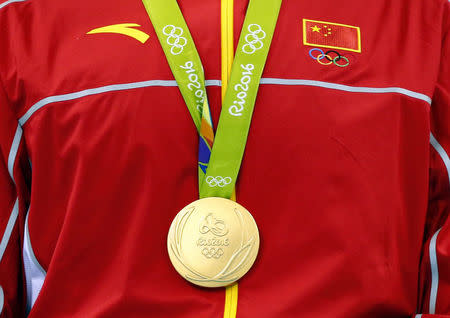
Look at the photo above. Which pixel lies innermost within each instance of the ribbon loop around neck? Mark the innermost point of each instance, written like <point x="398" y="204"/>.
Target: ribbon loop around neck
<point x="220" y="157"/>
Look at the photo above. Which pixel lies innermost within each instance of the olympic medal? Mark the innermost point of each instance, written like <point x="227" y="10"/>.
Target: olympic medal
<point x="213" y="242"/>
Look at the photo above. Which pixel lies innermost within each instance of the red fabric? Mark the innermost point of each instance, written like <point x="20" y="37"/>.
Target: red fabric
<point x="438" y="211"/>
<point x="340" y="183"/>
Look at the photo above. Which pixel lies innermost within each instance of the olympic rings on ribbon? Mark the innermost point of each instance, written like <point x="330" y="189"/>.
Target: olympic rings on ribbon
<point x="329" y="59"/>
<point x="218" y="181"/>
<point x="175" y="38"/>
<point x="253" y="39"/>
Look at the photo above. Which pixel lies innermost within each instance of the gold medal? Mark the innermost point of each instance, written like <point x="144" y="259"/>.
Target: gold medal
<point x="213" y="242"/>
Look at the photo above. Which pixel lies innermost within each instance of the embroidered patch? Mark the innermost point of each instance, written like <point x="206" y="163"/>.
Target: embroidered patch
<point x="331" y="35"/>
<point x="329" y="57"/>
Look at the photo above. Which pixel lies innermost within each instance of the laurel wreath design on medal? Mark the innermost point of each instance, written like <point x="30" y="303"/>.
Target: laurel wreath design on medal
<point x="237" y="259"/>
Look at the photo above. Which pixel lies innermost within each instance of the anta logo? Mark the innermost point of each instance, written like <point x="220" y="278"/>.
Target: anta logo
<point x="128" y="29"/>
<point x="328" y="39"/>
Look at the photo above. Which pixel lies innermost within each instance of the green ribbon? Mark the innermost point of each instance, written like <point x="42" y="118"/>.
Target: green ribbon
<point x="239" y="102"/>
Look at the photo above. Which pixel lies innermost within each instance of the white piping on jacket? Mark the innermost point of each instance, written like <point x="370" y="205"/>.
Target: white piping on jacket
<point x="172" y="83"/>
<point x="13" y="151"/>
<point x="347" y="88"/>
<point x="434" y="273"/>
<point x="9" y="228"/>
<point x="432" y="248"/>
<point x="4" y="4"/>
<point x="100" y="90"/>
<point x="442" y="153"/>
<point x="15" y="210"/>
<point x="2" y="299"/>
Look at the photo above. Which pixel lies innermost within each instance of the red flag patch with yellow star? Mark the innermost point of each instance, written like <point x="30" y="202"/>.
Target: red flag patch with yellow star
<point x="331" y="35"/>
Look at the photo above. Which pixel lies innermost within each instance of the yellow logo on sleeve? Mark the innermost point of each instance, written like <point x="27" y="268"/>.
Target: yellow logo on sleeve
<point x="125" y="29"/>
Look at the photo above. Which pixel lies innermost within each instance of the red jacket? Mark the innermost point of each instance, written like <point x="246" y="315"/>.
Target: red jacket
<point x="98" y="153"/>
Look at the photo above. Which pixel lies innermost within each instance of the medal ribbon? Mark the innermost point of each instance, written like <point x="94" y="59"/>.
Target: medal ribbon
<point x="219" y="159"/>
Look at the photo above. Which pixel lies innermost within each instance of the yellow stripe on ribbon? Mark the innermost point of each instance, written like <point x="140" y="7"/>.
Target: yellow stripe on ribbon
<point x="231" y="300"/>
<point x="227" y="45"/>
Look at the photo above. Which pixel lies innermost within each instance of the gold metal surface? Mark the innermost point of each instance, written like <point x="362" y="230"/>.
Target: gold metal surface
<point x="213" y="242"/>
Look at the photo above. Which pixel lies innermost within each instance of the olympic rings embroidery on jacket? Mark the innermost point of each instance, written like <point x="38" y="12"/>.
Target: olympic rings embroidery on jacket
<point x="253" y="39"/>
<point x="218" y="181"/>
<point x="329" y="59"/>
<point x="175" y="38"/>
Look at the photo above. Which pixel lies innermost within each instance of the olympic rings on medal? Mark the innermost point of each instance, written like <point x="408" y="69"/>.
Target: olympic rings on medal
<point x="212" y="252"/>
<point x="328" y="58"/>
<point x="218" y="181"/>
<point x="253" y="39"/>
<point x="175" y="38"/>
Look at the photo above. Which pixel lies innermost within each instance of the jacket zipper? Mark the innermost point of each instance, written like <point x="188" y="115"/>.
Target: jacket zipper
<point x="227" y="48"/>
<point x="227" y="41"/>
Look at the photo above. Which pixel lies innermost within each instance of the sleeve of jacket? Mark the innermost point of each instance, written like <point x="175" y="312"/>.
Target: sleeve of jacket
<point x="13" y="203"/>
<point x="434" y="296"/>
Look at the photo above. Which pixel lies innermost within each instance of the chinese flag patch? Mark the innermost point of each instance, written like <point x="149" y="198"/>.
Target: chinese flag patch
<point x="331" y="35"/>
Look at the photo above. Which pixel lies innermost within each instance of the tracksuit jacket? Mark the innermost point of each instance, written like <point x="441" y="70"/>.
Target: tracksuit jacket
<point x="346" y="170"/>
